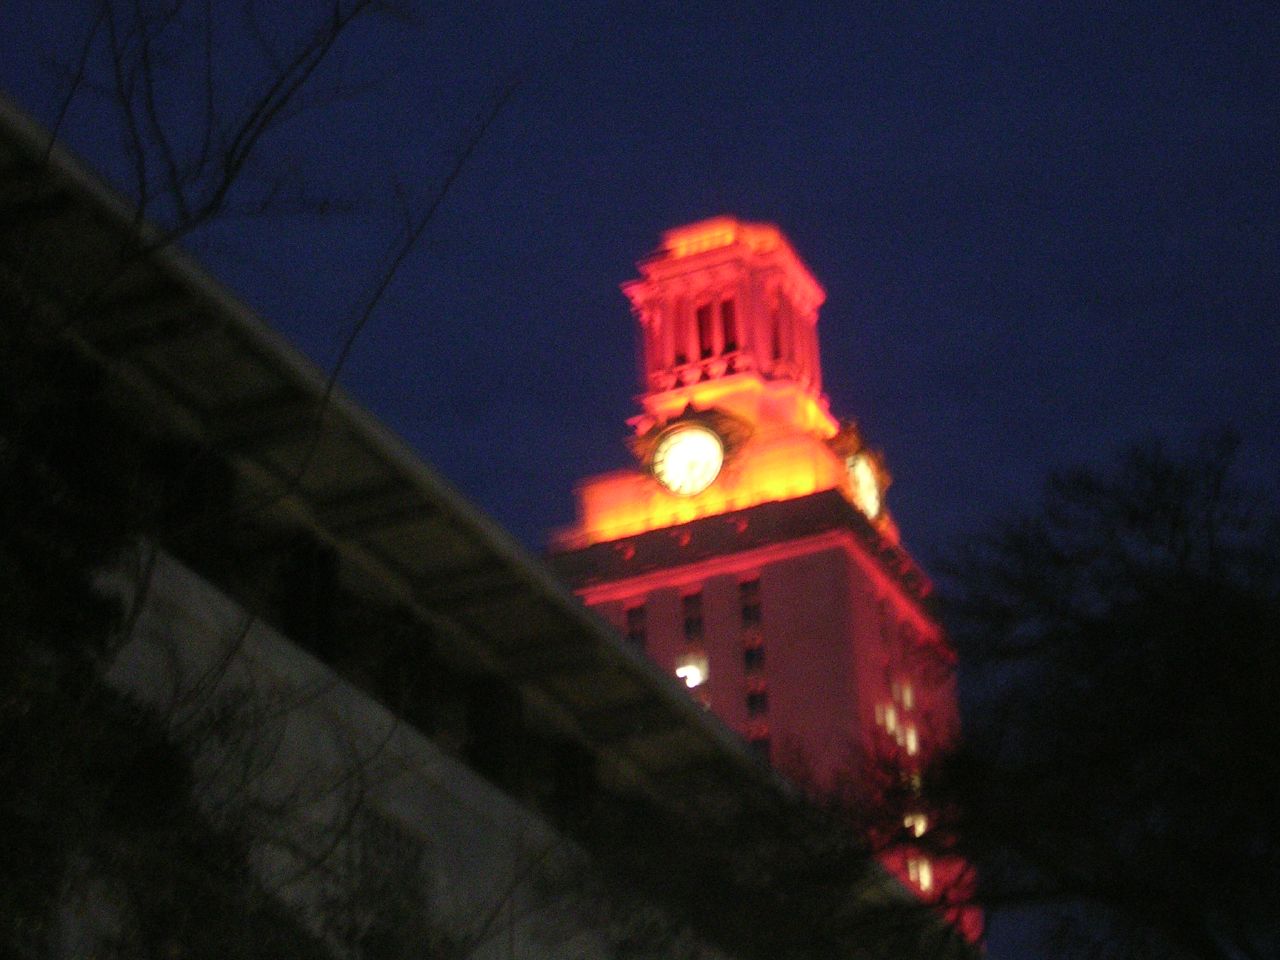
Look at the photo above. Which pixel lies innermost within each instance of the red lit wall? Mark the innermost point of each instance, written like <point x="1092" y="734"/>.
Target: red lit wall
<point x="825" y="666"/>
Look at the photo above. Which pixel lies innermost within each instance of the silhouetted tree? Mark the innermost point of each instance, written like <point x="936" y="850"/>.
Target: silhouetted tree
<point x="1121" y="761"/>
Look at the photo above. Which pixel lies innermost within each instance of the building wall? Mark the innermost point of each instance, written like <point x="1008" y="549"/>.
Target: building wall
<point x="839" y="676"/>
<point x="356" y="816"/>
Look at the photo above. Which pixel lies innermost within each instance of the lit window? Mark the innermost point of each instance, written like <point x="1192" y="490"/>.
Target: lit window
<point x="692" y="669"/>
<point x="887" y="716"/>
<point x="920" y="872"/>
<point x="903" y="694"/>
<point x="917" y="823"/>
<point x="911" y="740"/>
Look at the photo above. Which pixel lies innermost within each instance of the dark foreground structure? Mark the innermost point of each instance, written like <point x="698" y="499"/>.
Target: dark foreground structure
<point x="273" y="689"/>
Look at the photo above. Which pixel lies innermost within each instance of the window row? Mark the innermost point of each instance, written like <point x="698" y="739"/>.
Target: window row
<point x="635" y="618"/>
<point x="711" y="327"/>
<point x="904" y="733"/>
<point x="920" y="872"/>
<point x="692" y="668"/>
<point x="715" y="330"/>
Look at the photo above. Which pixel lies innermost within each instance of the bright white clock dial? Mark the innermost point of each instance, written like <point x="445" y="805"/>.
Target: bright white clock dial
<point x="866" y="486"/>
<point x="687" y="459"/>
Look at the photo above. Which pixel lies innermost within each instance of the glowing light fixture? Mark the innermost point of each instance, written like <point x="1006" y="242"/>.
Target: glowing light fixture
<point x="692" y="669"/>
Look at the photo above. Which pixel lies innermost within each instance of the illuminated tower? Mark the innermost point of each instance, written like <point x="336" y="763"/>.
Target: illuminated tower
<point x="749" y="550"/>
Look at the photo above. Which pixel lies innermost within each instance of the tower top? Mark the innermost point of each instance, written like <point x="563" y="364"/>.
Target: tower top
<point x="720" y="232"/>
<point x="724" y="297"/>
<point x="732" y="412"/>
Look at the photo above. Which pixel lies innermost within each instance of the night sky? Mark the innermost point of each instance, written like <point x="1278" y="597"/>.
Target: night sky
<point x="1045" y="230"/>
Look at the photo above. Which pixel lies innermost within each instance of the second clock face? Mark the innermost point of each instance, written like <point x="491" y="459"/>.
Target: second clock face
<point x="687" y="459"/>
<point x="866" y="486"/>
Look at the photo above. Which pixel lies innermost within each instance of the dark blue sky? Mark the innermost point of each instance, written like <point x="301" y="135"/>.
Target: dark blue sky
<point x="1045" y="230"/>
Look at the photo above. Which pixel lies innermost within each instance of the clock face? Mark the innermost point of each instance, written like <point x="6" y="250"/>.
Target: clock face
<point x="866" y="486"/>
<point x="687" y="459"/>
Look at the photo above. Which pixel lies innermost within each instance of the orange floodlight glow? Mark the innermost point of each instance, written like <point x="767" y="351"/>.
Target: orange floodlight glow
<point x="720" y="232"/>
<point x="626" y="503"/>
<point x="731" y="336"/>
<point x="751" y="397"/>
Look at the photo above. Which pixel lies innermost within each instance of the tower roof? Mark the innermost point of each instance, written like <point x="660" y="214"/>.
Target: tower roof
<point x="729" y="235"/>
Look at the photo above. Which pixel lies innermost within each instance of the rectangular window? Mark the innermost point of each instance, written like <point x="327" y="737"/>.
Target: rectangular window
<point x="729" y="325"/>
<point x="753" y="659"/>
<point x="691" y="604"/>
<point x="705" y="345"/>
<point x="757" y="703"/>
<point x="637" y="627"/>
<point x="749" y="595"/>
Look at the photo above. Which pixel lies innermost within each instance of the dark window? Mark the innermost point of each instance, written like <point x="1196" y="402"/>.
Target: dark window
<point x="495" y="731"/>
<point x="637" y="627"/>
<point x="749" y="594"/>
<point x="305" y="593"/>
<point x="760" y="747"/>
<point x="728" y="325"/>
<point x="777" y="337"/>
<point x="692" y="606"/>
<point x="753" y="658"/>
<point x="573" y="776"/>
<point x="679" y="326"/>
<point x="705" y="346"/>
<point x="757" y="703"/>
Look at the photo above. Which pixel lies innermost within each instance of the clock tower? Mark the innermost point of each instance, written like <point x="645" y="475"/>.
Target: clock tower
<point x="749" y="550"/>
